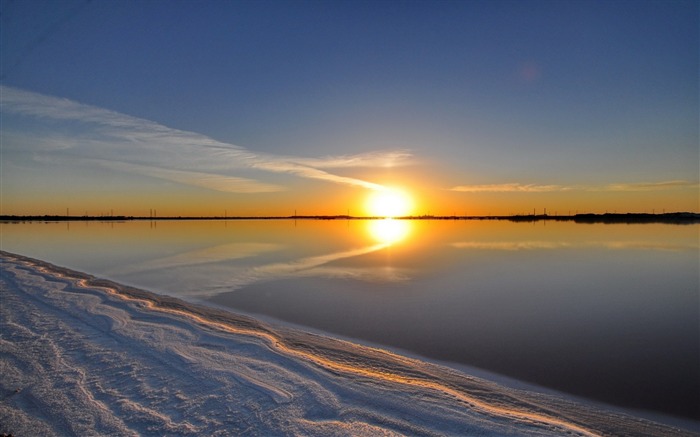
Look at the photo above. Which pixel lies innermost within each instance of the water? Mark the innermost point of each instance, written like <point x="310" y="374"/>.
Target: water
<point x="608" y="312"/>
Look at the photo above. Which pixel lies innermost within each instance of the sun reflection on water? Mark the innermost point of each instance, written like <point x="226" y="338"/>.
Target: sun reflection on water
<point x="388" y="231"/>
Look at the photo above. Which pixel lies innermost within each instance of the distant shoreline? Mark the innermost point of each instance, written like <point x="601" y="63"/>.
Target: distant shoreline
<point x="671" y="218"/>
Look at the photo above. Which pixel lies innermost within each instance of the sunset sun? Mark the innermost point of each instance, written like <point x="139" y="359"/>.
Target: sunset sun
<point x="389" y="203"/>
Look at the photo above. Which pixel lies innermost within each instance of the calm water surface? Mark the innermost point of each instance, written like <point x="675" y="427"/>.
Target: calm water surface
<point x="609" y="312"/>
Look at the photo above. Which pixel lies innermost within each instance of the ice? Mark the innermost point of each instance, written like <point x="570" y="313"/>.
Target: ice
<point x="84" y="356"/>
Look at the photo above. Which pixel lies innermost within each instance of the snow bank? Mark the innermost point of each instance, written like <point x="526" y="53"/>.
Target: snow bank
<point x="84" y="356"/>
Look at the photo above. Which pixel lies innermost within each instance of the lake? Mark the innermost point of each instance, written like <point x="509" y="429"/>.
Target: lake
<point x="609" y="312"/>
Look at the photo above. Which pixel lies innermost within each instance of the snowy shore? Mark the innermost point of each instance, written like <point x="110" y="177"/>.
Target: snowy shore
<point x="85" y="356"/>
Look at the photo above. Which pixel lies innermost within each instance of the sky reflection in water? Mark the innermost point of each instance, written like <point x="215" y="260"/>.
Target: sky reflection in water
<point x="603" y="311"/>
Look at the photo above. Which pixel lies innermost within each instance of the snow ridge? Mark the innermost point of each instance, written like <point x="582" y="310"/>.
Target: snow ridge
<point x="84" y="356"/>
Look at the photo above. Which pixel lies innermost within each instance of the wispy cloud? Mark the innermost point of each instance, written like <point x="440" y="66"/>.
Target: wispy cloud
<point x="371" y="159"/>
<point x="651" y="186"/>
<point x="211" y="181"/>
<point x="141" y="146"/>
<point x="313" y="173"/>
<point x="510" y="188"/>
<point x="534" y="188"/>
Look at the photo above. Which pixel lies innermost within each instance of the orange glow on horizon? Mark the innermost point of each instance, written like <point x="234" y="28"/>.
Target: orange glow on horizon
<point x="411" y="199"/>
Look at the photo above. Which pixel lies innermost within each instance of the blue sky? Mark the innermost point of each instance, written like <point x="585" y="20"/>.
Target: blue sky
<point x="472" y="105"/>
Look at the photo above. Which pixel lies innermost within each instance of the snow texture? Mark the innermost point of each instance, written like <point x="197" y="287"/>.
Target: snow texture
<point x="82" y="356"/>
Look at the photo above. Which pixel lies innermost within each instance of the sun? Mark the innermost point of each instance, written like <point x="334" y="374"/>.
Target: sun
<point x="390" y="202"/>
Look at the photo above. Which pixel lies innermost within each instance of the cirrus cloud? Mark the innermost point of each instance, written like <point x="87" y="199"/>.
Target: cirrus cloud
<point x="136" y="145"/>
<point x="535" y="188"/>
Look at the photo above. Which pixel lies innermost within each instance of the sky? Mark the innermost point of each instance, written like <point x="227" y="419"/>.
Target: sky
<point x="276" y="107"/>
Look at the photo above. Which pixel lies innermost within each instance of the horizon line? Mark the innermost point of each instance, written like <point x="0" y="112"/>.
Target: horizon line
<point x="685" y="216"/>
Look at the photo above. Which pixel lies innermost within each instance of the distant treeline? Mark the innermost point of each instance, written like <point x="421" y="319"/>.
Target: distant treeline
<point x="671" y="217"/>
<point x="61" y="218"/>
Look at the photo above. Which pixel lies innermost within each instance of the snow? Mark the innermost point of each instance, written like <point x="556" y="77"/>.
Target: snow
<point x="84" y="356"/>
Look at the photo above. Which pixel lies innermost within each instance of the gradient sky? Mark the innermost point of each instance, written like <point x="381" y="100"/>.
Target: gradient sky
<point x="267" y="107"/>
